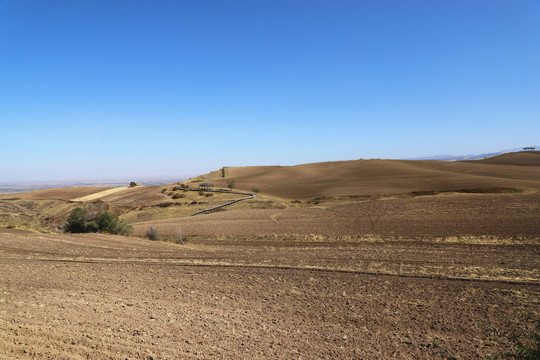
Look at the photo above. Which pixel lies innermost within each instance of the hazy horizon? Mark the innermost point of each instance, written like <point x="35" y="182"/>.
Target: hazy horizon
<point x="158" y="89"/>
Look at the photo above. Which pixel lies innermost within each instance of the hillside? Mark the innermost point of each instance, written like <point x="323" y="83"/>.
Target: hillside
<point x="281" y="187"/>
<point x="66" y="193"/>
<point x="372" y="177"/>
<point x="524" y="158"/>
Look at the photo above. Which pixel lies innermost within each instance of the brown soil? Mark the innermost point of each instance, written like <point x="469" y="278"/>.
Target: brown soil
<point x="360" y="259"/>
<point x="526" y="158"/>
<point x="140" y="195"/>
<point x="97" y="296"/>
<point x="374" y="177"/>
<point x="504" y="215"/>
<point x="56" y="194"/>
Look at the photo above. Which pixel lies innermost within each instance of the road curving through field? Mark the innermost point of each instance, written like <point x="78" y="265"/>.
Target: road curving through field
<point x="249" y="196"/>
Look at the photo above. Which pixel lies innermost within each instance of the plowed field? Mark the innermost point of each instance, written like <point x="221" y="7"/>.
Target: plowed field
<point x="98" y="297"/>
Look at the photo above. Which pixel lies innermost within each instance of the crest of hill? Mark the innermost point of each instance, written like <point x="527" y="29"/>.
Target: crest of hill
<point x="524" y="158"/>
<point x="372" y="177"/>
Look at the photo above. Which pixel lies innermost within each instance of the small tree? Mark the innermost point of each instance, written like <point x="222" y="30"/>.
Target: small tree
<point x="76" y="221"/>
<point x="105" y="222"/>
<point x="132" y="184"/>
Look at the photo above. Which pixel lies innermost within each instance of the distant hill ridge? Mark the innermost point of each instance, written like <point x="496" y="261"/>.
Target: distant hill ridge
<point x="376" y="177"/>
<point x="524" y="158"/>
<point x="468" y="157"/>
<point x="344" y="178"/>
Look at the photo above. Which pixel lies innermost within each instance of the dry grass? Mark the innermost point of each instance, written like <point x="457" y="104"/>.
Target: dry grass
<point x="100" y="194"/>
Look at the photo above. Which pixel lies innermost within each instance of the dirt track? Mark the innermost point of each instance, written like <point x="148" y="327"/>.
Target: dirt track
<point x="96" y="296"/>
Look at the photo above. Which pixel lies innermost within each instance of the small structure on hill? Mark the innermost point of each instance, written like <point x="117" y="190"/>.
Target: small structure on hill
<point x="205" y="186"/>
<point x="529" y="148"/>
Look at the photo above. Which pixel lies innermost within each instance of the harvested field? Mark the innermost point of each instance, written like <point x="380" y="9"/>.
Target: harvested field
<point x="56" y="194"/>
<point x="98" y="296"/>
<point x="375" y="177"/>
<point x="100" y="194"/>
<point x="362" y="259"/>
<point x="527" y="158"/>
<point x="499" y="215"/>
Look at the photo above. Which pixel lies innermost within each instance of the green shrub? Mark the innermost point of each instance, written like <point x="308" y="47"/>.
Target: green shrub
<point x="231" y="184"/>
<point x="76" y="221"/>
<point x="132" y="184"/>
<point x="256" y="190"/>
<point x="80" y="222"/>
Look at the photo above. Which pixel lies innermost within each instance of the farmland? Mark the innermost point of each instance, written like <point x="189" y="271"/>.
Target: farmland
<point x="418" y="266"/>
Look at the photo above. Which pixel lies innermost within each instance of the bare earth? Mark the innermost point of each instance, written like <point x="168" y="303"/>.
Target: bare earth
<point x="364" y="259"/>
<point x="498" y="215"/>
<point x="97" y="296"/>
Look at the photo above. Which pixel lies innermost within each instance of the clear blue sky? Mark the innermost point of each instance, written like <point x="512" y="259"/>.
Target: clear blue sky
<point x="109" y="89"/>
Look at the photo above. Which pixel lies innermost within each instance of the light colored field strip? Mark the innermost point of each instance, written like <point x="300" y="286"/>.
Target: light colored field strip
<point x="100" y="194"/>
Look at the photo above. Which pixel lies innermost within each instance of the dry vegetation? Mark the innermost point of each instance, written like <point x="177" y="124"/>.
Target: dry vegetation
<point x="360" y="259"/>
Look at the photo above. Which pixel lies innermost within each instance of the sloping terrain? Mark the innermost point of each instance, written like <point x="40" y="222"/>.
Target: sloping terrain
<point x="496" y="215"/>
<point x="55" y="194"/>
<point x="373" y="177"/>
<point x="525" y="158"/>
<point x="361" y="259"/>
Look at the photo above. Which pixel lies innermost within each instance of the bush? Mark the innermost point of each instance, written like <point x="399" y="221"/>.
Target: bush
<point x="178" y="196"/>
<point x="152" y="233"/>
<point x="80" y="222"/>
<point x="256" y="190"/>
<point x="105" y="222"/>
<point x="231" y="184"/>
<point x="76" y="221"/>
<point x="132" y="184"/>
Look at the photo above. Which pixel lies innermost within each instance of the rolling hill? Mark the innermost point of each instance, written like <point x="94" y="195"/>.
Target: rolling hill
<point x="376" y="177"/>
<point x="528" y="158"/>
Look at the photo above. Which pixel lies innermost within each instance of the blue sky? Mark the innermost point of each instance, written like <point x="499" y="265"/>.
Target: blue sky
<point x="145" y="89"/>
